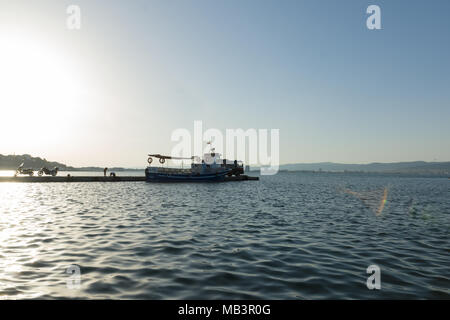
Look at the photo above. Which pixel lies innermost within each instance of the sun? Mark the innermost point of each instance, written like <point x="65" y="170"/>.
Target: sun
<point x="40" y="88"/>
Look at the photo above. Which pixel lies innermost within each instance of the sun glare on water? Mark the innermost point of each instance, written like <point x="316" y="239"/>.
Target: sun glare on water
<point x="40" y="92"/>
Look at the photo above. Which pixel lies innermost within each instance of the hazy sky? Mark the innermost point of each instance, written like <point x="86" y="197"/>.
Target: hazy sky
<point x="115" y="90"/>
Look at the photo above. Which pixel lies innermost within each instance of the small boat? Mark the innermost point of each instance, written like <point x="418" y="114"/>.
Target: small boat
<point x="211" y="169"/>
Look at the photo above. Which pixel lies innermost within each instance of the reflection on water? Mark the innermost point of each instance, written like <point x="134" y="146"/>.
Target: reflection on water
<point x="289" y="236"/>
<point x="374" y="199"/>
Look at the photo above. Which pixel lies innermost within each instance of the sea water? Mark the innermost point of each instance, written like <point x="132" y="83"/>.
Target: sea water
<point x="288" y="236"/>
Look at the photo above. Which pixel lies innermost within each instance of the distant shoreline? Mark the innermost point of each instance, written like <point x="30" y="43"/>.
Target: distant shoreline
<point x="11" y="162"/>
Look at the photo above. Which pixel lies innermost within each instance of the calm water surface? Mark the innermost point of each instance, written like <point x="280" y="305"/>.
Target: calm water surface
<point x="289" y="236"/>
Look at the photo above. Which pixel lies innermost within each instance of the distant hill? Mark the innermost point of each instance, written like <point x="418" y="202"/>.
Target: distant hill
<point x="11" y="162"/>
<point x="420" y="167"/>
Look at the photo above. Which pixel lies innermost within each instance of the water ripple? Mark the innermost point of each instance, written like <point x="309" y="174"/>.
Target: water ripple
<point x="289" y="236"/>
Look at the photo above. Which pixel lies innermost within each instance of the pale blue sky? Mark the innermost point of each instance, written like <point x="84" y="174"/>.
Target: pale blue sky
<point x="336" y="90"/>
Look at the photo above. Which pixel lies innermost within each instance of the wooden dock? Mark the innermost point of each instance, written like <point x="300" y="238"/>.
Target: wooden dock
<point x="44" y="179"/>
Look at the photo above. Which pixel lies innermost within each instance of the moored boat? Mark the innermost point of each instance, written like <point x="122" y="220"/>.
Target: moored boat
<point x="211" y="169"/>
<point x="153" y="174"/>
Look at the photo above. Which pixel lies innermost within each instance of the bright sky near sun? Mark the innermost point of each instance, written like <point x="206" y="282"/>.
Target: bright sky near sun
<point x="114" y="91"/>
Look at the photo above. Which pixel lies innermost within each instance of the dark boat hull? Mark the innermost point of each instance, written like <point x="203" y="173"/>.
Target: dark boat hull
<point x="167" y="177"/>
